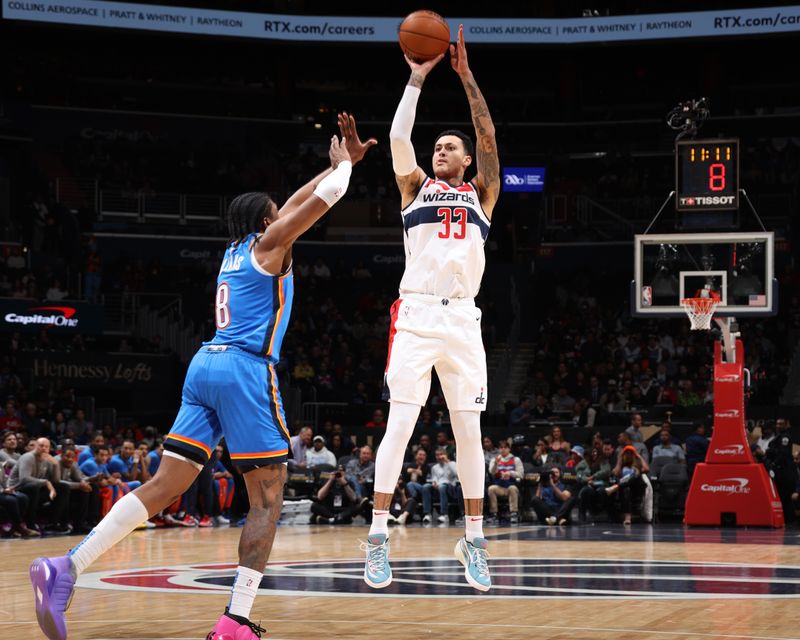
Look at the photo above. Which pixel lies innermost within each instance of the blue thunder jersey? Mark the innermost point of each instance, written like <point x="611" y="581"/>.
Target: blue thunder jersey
<point x="252" y="307"/>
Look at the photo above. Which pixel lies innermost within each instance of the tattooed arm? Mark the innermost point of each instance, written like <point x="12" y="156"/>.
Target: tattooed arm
<point x="488" y="178"/>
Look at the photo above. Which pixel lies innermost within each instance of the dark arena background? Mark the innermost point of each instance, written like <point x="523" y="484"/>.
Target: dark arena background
<point x="126" y="129"/>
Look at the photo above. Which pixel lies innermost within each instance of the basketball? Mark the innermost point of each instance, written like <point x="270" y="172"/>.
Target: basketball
<point x="424" y="35"/>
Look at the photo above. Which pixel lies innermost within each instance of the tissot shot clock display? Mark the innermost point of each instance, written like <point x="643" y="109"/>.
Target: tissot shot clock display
<point x="707" y="175"/>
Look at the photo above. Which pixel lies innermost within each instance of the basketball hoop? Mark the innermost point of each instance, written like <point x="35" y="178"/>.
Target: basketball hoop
<point x="700" y="311"/>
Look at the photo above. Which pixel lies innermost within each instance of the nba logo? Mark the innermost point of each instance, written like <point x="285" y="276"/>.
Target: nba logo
<point x="647" y="296"/>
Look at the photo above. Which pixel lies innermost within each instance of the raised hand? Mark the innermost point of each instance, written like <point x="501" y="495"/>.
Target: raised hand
<point x="420" y="70"/>
<point x="356" y="148"/>
<point x="458" y="54"/>
<point x="338" y="151"/>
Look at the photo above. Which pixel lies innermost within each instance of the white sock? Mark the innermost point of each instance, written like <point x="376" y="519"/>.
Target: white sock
<point x="379" y="522"/>
<point x="245" y="587"/>
<point x="124" y="517"/>
<point x="474" y="526"/>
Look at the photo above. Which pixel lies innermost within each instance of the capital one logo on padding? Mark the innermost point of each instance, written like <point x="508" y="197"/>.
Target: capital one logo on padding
<point x="727" y="486"/>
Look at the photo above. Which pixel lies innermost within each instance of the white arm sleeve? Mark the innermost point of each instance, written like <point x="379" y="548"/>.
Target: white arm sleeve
<point x="404" y="160"/>
<point x="333" y="186"/>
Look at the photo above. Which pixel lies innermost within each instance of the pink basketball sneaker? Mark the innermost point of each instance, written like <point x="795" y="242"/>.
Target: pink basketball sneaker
<point x="230" y="627"/>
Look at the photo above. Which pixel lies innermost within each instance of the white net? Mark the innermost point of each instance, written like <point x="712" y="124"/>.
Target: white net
<point x="700" y="311"/>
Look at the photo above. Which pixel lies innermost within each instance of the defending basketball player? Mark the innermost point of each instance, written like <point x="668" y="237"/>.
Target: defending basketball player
<point x="435" y="322"/>
<point x="230" y="390"/>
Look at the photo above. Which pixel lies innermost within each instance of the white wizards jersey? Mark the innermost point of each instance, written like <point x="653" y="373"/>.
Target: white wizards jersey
<point x="445" y="230"/>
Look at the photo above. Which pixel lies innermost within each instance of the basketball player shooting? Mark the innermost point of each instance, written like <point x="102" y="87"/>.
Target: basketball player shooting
<point x="230" y="391"/>
<point x="435" y="322"/>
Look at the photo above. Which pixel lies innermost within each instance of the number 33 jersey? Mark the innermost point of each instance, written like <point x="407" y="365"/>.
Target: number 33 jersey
<point x="445" y="230"/>
<point x="251" y="307"/>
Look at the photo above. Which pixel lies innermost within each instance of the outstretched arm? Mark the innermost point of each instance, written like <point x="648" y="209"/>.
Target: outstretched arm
<point x="488" y="178"/>
<point x="404" y="161"/>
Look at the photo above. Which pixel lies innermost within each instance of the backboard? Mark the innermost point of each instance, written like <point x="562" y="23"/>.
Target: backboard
<point x="738" y="267"/>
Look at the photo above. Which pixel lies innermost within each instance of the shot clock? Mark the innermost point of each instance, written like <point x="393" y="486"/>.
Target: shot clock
<point x="707" y="175"/>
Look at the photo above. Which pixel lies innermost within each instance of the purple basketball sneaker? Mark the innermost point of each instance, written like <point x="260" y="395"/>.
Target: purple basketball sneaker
<point x="53" y="583"/>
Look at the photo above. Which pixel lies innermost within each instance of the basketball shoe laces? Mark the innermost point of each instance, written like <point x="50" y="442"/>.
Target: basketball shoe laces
<point x="480" y="556"/>
<point x="376" y="560"/>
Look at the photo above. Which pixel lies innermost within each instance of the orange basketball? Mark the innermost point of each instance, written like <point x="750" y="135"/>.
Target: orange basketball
<point x="424" y="35"/>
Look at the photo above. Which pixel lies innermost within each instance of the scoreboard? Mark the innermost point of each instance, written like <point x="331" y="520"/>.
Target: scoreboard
<point x="707" y="175"/>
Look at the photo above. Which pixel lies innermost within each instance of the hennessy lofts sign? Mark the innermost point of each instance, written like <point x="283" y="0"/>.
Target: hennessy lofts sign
<point x="101" y="370"/>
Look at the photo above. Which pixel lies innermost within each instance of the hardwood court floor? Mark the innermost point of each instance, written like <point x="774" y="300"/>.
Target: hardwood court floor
<point x="602" y="582"/>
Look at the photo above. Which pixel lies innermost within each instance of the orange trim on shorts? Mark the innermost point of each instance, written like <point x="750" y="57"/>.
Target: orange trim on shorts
<point x="194" y="443"/>
<point x="260" y="454"/>
<point x="274" y="386"/>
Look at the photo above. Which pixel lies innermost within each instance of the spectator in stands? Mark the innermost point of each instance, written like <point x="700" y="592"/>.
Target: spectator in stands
<point x="562" y="401"/>
<point x="56" y="292"/>
<point x="339" y="447"/>
<point x="14" y="505"/>
<point x="300" y="444"/>
<point x="303" y="371"/>
<point x="34" y="475"/>
<point x="612" y="399"/>
<point x="687" y="397"/>
<point x="624" y="440"/>
<point x="635" y="428"/>
<point x="9" y="454"/>
<point x="319" y="454"/>
<point x="402" y="507"/>
<point x="505" y="471"/>
<point x="541" y="411"/>
<point x="583" y="415"/>
<point x="767" y="434"/>
<point x="557" y="442"/>
<point x="129" y="465"/>
<point x="426" y="443"/>
<point x="696" y="447"/>
<point x="415" y="479"/>
<point x="781" y="465"/>
<point x="361" y="472"/>
<point x="628" y="480"/>
<point x="76" y="507"/>
<point x="91" y="451"/>
<point x="520" y="448"/>
<point x="444" y="479"/>
<point x="520" y="415"/>
<point x="321" y="270"/>
<point x="337" y="503"/>
<point x="595" y="477"/>
<point x="540" y="454"/>
<point x="594" y="392"/>
<point x="80" y="427"/>
<point x="445" y="441"/>
<point x="378" y="421"/>
<point x="11" y="419"/>
<point x="552" y="500"/>
<point x="666" y="449"/>
<point x="32" y="422"/>
<point x="489" y="450"/>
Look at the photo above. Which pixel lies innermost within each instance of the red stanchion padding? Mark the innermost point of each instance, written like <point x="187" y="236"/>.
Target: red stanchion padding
<point x="745" y="490"/>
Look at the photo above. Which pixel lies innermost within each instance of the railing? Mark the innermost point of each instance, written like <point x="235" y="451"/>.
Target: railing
<point x="180" y="208"/>
<point x="503" y="369"/>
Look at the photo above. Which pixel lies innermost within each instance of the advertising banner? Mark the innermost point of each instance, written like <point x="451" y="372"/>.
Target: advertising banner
<point x="523" y="179"/>
<point x="64" y="317"/>
<point x="187" y="20"/>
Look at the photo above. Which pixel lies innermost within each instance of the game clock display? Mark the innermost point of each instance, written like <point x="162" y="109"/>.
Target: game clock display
<point x="707" y="175"/>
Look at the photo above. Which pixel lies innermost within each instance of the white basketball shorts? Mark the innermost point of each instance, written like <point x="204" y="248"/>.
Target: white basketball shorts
<point x="429" y="331"/>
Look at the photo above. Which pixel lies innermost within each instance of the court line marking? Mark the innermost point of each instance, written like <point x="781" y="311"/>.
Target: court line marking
<point x="460" y="624"/>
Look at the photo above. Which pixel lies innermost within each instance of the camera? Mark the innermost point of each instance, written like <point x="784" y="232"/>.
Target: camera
<point x="339" y="472"/>
<point x="688" y="117"/>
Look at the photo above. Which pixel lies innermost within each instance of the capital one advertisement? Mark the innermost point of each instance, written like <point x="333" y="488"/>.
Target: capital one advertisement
<point x="31" y="316"/>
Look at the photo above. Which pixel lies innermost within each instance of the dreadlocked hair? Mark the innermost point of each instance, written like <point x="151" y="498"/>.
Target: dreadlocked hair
<point x="246" y="215"/>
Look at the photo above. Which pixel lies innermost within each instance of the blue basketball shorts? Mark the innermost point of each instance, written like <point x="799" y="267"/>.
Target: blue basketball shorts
<point x="230" y="393"/>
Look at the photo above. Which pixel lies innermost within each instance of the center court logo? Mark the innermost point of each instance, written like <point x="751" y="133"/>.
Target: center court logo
<point x="727" y="486"/>
<point x="536" y="578"/>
